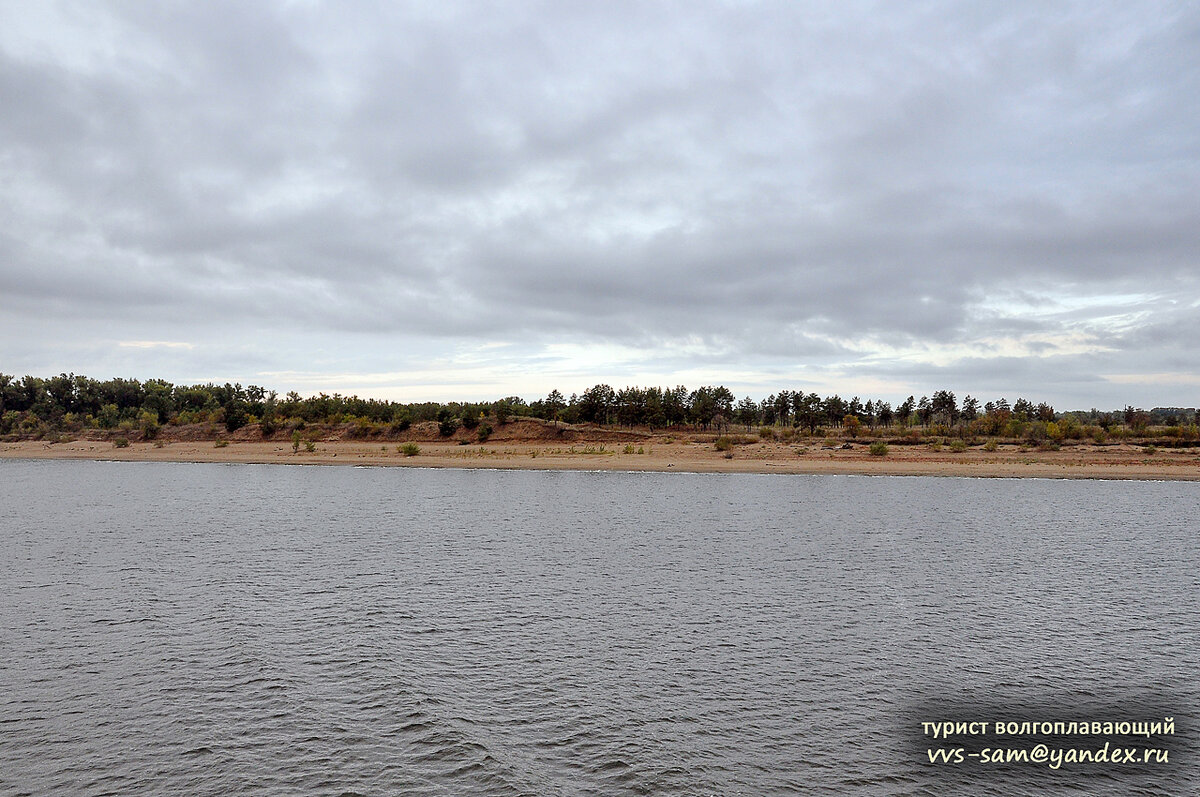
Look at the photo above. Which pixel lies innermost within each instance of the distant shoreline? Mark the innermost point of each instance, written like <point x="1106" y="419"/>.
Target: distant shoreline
<point x="1081" y="462"/>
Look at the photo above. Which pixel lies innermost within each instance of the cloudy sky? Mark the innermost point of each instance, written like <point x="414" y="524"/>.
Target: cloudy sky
<point x="467" y="201"/>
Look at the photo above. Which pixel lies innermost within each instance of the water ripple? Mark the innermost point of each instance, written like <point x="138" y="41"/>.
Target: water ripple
<point x="275" y="631"/>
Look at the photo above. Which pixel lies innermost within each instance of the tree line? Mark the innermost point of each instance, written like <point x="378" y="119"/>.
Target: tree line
<point x="67" y="402"/>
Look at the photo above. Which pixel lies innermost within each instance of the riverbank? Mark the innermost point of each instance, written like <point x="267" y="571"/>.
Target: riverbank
<point x="1076" y="462"/>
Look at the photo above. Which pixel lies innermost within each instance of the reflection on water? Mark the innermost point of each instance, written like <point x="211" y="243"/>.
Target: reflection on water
<point x="205" y="629"/>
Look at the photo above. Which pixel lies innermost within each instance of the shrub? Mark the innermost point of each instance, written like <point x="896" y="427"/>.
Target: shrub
<point x="295" y="442"/>
<point x="766" y="433"/>
<point x="447" y="424"/>
<point x="852" y="425"/>
<point x="991" y="445"/>
<point x="109" y="416"/>
<point x="121" y="442"/>
<point x="149" y="422"/>
<point x="958" y="445"/>
<point x="1150" y="449"/>
<point x="723" y="443"/>
<point x="878" y="449"/>
<point x="1071" y="428"/>
<point x="628" y="449"/>
<point x="360" y="427"/>
<point x="470" y="419"/>
<point x="220" y="443"/>
<point x="401" y="422"/>
<point x="310" y="446"/>
<point x="1013" y="429"/>
<point x="484" y="432"/>
<point x="935" y="445"/>
<point x="409" y="449"/>
<point x="9" y="420"/>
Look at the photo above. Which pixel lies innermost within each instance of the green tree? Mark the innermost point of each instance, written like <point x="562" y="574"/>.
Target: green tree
<point x="447" y="423"/>
<point x="747" y="412"/>
<point x="502" y="410"/>
<point x="835" y="409"/>
<point x="810" y="412"/>
<point x="675" y="405"/>
<point x="944" y="407"/>
<point x="782" y="406"/>
<point x="631" y="407"/>
<point x="925" y="410"/>
<point x="554" y="405"/>
<point x="6" y="381"/>
<point x="159" y="399"/>
<point x="656" y="414"/>
<point x="236" y="415"/>
<point x="703" y="407"/>
<point x="596" y="404"/>
<point x="970" y="408"/>
<point x="885" y="413"/>
<point x="60" y="391"/>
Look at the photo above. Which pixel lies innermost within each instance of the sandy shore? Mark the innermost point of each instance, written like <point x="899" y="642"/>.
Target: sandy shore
<point x="1080" y="462"/>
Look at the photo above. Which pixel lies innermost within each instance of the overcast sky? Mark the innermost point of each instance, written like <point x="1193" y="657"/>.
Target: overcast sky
<point x="466" y="201"/>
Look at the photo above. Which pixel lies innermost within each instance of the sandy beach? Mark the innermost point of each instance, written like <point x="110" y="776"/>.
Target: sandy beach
<point x="1077" y="462"/>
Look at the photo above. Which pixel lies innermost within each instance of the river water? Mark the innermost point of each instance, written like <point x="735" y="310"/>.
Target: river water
<point x="279" y="630"/>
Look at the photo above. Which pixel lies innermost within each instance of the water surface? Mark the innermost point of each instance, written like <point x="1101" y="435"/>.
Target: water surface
<point x="272" y="630"/>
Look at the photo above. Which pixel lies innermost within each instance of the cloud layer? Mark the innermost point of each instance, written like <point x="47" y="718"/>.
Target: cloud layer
<point x="463" y="201"/>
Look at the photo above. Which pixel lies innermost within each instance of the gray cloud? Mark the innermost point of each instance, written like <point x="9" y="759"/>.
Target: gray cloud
<point x="989" y="194"/>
